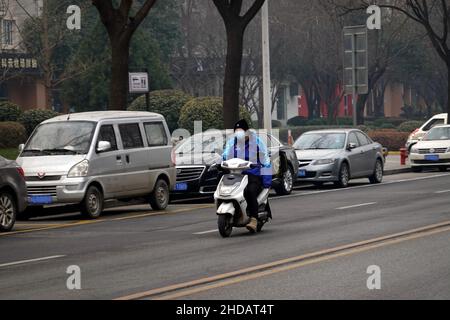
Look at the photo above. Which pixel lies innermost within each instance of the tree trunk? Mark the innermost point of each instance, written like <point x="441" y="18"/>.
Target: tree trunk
<point x="360" y="107"/>
<point x="119" y="75"/>
<point x="448" y="88"/>
<point x="235" y="46"/>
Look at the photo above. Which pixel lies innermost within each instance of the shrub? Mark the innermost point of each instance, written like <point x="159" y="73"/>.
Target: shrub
<point x="165" y="102"/>
<point x="276" y="124"/>
<point x="12" y="134"/>
<point x="9" y="111"/>
<point x="409" y="126"/>
<point x="297" y="122"/>
<point x="31" y="118"/>
<point x="391" y="139"/>
<point x="209" y="110"/>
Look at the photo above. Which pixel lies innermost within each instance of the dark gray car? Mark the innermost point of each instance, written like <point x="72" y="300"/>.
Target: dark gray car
<point x="13" y="193"/>
<point x="338" y="156"/>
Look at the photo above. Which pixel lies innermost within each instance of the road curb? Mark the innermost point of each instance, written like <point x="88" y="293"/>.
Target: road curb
<point x="397" y="171"/>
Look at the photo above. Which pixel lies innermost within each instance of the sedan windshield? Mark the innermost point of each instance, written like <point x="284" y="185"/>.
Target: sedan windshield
<point x="202" y="143"/>
<point x="320" y="141"/>
<point x="438" y="134"/>
<point x="60" y="138"/>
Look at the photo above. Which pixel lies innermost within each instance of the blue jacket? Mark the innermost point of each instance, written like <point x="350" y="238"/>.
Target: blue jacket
<point x="256" y="152"/>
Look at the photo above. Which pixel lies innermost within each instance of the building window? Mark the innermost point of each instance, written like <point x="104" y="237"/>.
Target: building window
<point x="7" y="30"/>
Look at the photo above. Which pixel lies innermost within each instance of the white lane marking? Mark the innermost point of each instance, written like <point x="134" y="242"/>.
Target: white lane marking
<point x="357" y="206"/>
<point x="29" y="261"/>
<point x="443" y="191"/>
<point x="206" y="232"/>
<point x="359" y="187"/>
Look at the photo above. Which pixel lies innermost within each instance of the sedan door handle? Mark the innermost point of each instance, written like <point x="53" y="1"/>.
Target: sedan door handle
<point x="127" y="158"/>
<point x="118" y="158"/>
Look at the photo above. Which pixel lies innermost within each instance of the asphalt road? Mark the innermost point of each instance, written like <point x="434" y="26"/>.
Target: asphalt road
<point x="319" y="246"/>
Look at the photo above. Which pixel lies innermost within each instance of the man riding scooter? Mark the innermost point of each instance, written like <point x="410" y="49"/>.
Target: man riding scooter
<point x="246" y="145"/>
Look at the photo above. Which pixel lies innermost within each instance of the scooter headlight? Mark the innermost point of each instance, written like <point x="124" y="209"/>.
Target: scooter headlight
<point x="79" y="170"/>
<point x="227" y="190"/>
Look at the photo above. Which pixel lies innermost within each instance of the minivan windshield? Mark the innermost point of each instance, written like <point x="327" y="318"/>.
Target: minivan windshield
<point x="435" y="134"/>
<point x="320" y="141"/>
<point x="60" y="138"/>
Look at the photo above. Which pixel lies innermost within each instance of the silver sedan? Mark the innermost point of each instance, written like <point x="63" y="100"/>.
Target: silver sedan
<point x="338" y="156"/>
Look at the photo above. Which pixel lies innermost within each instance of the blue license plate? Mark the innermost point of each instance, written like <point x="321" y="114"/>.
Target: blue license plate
<point x="40" y="199"/>
<point x="432" y="157"/>
<point x="181" y="187"/>
<point x="302" y="173"/>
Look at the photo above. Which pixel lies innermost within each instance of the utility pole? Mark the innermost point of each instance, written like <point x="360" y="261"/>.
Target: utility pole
<point x="267" y="105"/>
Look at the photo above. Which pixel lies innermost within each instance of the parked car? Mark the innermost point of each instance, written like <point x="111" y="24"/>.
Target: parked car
<point x="338" y="156"/>
<point x="418" y="134"/>
<point x="432" y="151"/>
<point x="196" y="156"/>
<point x="13" y="193"/>
<point x="91" y="157"/>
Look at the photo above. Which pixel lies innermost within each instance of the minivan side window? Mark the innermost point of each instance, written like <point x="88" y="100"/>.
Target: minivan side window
<point x="156" y="134"/>
<point x="107" y="134"/>
<point x="131" y="136"/>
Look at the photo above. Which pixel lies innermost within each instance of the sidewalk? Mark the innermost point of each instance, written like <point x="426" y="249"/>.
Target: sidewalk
<point x="392" y="165"/>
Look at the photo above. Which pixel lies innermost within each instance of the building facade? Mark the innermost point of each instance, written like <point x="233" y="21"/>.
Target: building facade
<point x="20" y="78"/>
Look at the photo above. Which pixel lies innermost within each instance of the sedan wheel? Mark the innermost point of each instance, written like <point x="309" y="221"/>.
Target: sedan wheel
<point x="287" y="183"/>
<point x="377" y="176"/>
<point x="344" y="176"/>
<point x="8" y="212"/>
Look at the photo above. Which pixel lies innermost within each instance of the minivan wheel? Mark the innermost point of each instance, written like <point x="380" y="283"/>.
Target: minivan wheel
<point x="344" y="176"/>
<point x="92" y="204"/>
<point x="8" y="212"/>
<point x="287" y="183"/>
<point x="159" y="199"/>
<point x="377" y="176"/>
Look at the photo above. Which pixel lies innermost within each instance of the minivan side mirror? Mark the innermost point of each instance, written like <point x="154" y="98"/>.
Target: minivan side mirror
<point x="21" y="147"/>
<point x="103" y="146"/>
<point x="351" y="146"/>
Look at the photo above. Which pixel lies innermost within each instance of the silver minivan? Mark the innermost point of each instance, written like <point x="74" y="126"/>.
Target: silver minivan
<point x="91" y="157"/>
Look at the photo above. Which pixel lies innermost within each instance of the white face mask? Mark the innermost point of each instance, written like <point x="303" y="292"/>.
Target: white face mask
<point x="240" y="135"/>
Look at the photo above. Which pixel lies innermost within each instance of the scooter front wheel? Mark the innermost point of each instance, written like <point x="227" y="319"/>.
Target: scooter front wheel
<point x="225" y="226"/>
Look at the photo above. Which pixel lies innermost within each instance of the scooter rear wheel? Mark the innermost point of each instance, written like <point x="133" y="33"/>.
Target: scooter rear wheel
<point x="225" y="226"/>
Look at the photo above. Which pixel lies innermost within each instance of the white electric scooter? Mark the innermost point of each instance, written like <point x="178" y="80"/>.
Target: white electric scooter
<point x="230" y="201"/>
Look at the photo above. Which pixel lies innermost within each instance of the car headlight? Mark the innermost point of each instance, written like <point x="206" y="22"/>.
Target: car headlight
<point x="323" y="162"/>
<point x="79" y="170"/>
<point x="226" y="190"/>
<point x="414" y="150"/>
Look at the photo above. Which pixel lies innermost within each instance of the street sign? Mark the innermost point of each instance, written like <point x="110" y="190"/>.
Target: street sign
<point x="356" y="77"/>
<point x="138" y="82"/>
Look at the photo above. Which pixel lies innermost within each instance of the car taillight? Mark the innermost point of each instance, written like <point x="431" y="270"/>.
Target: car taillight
<point x="21" y="172"/>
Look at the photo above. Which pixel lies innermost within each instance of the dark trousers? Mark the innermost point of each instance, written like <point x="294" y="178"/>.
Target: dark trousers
<point x="251" y="194"/>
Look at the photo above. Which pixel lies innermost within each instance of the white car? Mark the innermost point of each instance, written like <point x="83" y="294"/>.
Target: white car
<point x="418" y="134"/>
<point x="433" y="150"/>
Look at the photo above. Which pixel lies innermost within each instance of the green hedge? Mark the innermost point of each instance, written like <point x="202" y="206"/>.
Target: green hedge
<point x="12" y="134"/>
<point x="392" y="139"/>
<point x="410" y="126"/>
<point x="9" y="111"/>
<point x="209" y="110"/>
<point x="31" y="118"/>
<point x="165" y="102"/>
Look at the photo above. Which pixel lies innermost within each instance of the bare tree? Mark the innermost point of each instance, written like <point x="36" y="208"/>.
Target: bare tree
<point x="235" y="25"/>
<point x="121" y="24"/>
